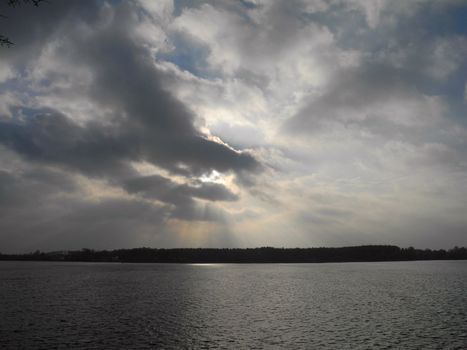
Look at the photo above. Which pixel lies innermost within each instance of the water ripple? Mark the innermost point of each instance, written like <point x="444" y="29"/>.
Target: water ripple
<point x="398" y="305"/>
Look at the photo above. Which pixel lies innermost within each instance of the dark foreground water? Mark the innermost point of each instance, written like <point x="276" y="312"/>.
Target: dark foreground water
<point x="394" y="305"/>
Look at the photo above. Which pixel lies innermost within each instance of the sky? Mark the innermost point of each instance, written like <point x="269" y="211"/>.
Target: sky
<point x="233" y="124"/>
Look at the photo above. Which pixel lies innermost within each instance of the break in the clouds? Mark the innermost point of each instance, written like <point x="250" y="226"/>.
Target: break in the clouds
<point x="219" y="123"/>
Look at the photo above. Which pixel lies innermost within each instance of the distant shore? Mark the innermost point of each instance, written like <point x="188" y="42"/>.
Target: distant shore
<point x="365" y="253"/>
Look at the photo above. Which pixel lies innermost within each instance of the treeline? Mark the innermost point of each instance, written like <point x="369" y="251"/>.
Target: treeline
<point x="249" y="255"/>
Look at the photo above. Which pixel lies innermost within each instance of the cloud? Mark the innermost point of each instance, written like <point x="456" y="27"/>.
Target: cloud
<point x="241" y="123"/>
<point x="149" y="123"/>
<point x="182" y="196"/>
<point x="124" y="115"/>
<point x="368" y="96"/>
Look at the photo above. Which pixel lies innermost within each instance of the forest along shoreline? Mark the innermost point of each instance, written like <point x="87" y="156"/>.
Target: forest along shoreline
<point x="365" y="253"/>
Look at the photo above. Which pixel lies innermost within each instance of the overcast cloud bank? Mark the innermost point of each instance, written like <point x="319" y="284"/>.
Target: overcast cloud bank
<point x="233" y="124"/>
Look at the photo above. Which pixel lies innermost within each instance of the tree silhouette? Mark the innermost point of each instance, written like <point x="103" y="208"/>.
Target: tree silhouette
<point x="5" y="41"/>
<point x="248" y="255"/>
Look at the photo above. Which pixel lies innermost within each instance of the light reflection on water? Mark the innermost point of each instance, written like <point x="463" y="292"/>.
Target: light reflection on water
<point x="398" y="305"/>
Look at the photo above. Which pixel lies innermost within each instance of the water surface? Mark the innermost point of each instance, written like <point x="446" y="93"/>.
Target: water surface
<point x="393" y="305"/>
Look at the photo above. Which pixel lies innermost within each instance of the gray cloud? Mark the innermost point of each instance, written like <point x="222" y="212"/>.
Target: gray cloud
<point x="181" y="196"/>
<point x="155" y="126"/>
<point x="357" y="95"/>
<point x="53" y="138"/>
<point x="400" y="90"/>
<point x="102" y="151"/>
<point x="135" y="119"/>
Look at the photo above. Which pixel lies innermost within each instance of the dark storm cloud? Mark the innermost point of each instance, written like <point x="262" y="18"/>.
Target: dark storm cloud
<point x="161" y="188"/>
<point x="212" y="192"/>
<point x="149" y="123"/>
<point x="44" y="203"/>
<point x="52" y="138"/>
<point x="163" y="126"/>
<point x="98" y="150"/>
<point x="181" y="196"/>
